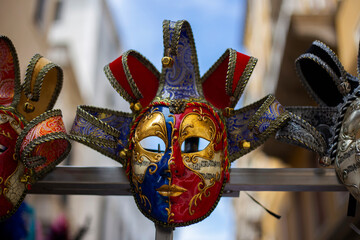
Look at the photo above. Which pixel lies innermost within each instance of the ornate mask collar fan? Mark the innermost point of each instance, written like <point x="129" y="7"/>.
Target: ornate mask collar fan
<point x="32" y="136"/>
<point x="183" y="132"/>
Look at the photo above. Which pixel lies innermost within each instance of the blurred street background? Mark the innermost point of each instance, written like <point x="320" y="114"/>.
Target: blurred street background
<point x="82" y="36"/>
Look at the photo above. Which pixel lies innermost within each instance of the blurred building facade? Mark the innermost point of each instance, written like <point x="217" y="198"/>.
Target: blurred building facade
<point x="81" y="37"/>
<point x="277" y="32"/>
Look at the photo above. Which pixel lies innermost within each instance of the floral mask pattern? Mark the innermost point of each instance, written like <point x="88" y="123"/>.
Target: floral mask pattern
<point x="183" y="132"/>
<point x="32" y="136"/>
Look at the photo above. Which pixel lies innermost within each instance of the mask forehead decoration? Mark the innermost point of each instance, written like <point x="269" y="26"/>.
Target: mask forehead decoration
<point x="332" y="128"/>
<point x="183" y="132"/>
<point x="32" y="136"/>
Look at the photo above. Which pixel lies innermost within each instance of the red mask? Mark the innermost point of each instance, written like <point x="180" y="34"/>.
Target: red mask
<point x="32" y="137"/>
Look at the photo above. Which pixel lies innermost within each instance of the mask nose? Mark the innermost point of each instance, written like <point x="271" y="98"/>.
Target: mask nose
<point x="163" y="166"/>
<point x="165" y="172"/>
<point x="176" y="162"/>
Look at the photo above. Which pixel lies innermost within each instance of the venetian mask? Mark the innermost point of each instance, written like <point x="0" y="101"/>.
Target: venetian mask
<point x="32" y="137"/>
<point x="332" y="128"/>
<point x="178" y="162"/>
<point x="178" y="142"/>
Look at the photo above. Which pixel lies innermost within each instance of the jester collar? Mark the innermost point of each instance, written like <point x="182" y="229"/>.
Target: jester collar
<point x="32" y="136"/>
<point x="183" y="132"/>
<point x="332" y="128"/>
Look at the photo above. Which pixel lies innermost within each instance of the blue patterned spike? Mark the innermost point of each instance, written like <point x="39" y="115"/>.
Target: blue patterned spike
<point x="254" y="124"/>
<point x="181" y="81"/>
<point x="102" y="129"/>
<point x="120" y="123"/>
<point x="237" y="130"/>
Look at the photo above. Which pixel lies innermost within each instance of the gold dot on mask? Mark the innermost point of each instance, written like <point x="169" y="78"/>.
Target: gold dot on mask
<point x="28" y="107"/>
<point x="136" y="107"/>
<point x="124" y="154"/>
<point x="244" y="144"/>
<point x="167" y="62"/>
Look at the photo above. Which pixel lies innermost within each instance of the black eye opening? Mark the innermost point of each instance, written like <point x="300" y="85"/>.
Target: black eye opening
<point x="153" y="144"/>
<point x="2" y="148"/>
<point x="194" y="144"/>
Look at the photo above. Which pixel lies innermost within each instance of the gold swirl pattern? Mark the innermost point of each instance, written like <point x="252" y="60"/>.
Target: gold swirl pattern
<point x="15" y="124"/>
<point x="202" y="188"/>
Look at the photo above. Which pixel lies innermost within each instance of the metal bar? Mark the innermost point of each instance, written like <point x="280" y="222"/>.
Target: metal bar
<point x="84" y="181"/>
<point x="163" y="233"/>
<point x="284" y="179"/>
<point x="113" y="181"/>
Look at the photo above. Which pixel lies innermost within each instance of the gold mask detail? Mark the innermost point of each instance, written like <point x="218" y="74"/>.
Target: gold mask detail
<point x="154" y="125"/>
<point x="203" y="160"/>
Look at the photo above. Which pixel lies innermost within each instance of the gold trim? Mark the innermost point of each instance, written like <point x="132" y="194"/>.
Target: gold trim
<point x="134" y="89"/>
<point x="41" y="88"/>
<point x="245" y="76"/>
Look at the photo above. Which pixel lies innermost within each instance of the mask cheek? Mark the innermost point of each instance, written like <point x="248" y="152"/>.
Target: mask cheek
<point x="206" y="164"/>
<point x="180" y="205"/>
<point x="139" y="166"/>
<point x="144" y="161"/>
<point x="148" y="175"/>
<point x="11" y="170"/>
<point x="203" y="181"/>
<point x="8" y="163"/>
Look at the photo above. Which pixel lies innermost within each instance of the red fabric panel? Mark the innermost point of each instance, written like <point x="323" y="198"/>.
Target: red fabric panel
<point x="117" y="70"/>
<point x="214" y="86"/>
<point x="7" y="73"/>
<point x="7" y="165"/>
<point x="145" y="80"/>
<point x="241" y="62"/>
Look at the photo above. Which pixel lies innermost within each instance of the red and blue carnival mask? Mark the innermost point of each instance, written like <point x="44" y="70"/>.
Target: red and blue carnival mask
<point x="183" y="132"/>
<point x="32" y="137"/>
<point x="179" y="164"/>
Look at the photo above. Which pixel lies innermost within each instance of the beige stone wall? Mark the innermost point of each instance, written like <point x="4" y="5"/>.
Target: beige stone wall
<point x="17" y="23"/>
<point x="348" y="32"/>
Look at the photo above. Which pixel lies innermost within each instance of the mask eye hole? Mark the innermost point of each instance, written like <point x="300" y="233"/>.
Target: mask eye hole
<point x="194" y="144"/>
<point x="153" y="144"/>
<point x="2" y="148"/>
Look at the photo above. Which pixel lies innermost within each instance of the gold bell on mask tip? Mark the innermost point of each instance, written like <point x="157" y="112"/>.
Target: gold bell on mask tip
<point x="135" y="107"/>
<point x="28" y="107"/>
<point x="167" y="62"/>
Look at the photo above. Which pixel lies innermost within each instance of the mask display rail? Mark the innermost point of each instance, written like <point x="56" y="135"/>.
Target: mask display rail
<point x="73" y="180"/>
